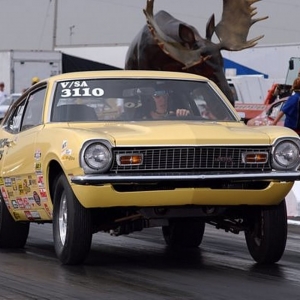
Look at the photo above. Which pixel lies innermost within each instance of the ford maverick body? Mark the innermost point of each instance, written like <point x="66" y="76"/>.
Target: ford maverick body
<point x="92" y="152"/>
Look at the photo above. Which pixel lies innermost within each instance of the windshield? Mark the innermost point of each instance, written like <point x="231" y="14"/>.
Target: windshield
<point x="137" y="100"/>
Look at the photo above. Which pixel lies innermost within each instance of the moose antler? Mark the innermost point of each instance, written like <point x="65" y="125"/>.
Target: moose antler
<point x="183" y="47"/>
<point x="232" y="32"/>
<point x="170" y="46"/>
<point x="234" y="26"/>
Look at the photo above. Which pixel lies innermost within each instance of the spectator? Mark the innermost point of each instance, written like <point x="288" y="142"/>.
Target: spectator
<point x="291" y="108"/>
<point x="2" y="93"/>
<point x="34" y="80"/>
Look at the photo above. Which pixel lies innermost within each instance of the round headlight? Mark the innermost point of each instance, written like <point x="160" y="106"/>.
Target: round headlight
<point x="97" y="157"/>
<point x="286" y="155"/>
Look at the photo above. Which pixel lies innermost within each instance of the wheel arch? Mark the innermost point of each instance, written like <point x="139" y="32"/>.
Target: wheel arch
<point x="54" y="171"/>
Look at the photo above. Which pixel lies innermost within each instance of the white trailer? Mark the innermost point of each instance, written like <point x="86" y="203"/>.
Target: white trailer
<point x="249" y="88"/>
<point x="270" y="60"/>
<point x="112" y="55"/>
<point x="17" y="67"/>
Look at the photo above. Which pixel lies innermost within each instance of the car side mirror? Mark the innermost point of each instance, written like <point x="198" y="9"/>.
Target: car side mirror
<point x="242" y="116"/>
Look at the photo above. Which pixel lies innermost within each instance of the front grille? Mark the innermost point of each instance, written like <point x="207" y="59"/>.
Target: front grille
<point x="191" y="159"/>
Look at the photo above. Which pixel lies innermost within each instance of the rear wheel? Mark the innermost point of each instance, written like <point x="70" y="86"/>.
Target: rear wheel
<point x="266" y="238"/>
<point x="72" y="226"/>
<point x="185" y="232"/>
<point x="12" y="234"/>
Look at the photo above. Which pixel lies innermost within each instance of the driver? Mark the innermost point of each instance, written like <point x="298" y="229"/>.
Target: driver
<point x="160" y="108"/>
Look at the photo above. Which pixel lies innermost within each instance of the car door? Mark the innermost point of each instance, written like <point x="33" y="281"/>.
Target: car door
<point x="18" y="152"/>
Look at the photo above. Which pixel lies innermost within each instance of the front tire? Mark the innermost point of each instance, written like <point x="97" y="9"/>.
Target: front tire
<point x="12" y="234"/>
<point x="184" y="232"/>
<point x="266" y="238"/>
<point x="72" y="225"/>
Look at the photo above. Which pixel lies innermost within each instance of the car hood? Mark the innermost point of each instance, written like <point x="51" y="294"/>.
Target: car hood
<point x="185" y="133"/>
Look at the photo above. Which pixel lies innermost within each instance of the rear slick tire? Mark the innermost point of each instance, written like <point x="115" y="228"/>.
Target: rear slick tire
<point x="266" y="238"/>
<point x="184" y="233"/>
<point x="12" y="234"/>
<point x="72" y="225"/>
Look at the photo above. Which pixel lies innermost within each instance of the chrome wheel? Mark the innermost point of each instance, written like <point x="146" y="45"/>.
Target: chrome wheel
<point x="63" y="218"/>
<point x="72" y="224"/>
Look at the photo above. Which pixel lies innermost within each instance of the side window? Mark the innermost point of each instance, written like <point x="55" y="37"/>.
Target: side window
<point x="14" y="121"/>
<point x="34" y="109"/>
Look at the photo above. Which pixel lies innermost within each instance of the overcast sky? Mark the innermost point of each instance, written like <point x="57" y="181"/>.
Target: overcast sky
<point x="30" y="24"/>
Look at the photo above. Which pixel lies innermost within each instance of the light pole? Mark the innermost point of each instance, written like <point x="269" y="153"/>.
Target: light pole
<point x="54" y="25"/>
<point x="71" y="33"/>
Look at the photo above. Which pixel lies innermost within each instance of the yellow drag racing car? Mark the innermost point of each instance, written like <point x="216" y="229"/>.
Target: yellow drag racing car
<point x="120" y="151"/>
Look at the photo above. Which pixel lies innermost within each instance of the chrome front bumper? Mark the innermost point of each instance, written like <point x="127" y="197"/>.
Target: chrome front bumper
<point x="143" y="178"/>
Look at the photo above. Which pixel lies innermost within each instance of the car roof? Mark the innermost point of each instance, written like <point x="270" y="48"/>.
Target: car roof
<point x="124" y="74"/>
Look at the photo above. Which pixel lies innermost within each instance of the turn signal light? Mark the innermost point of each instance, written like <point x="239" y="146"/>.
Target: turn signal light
<point x="130" y="160"/>
<point x="255" y="157"/>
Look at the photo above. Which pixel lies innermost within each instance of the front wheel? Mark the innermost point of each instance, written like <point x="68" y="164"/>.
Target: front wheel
<point x="186" y="232"/>
<point x="72" y="225"/>
<point x="267" y="235"/>
<point x="12" y="234"/>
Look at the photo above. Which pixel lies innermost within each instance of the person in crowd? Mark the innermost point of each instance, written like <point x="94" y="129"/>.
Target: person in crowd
<point x="34" y="80"/>
<point x="291" y="109"/>
<point x="3" y="95"/>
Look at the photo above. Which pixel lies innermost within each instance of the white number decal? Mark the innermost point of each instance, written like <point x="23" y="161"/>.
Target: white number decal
<point x="66" y="93"/>
<point x="97" y="92"/>
<point x="82" y="92"/>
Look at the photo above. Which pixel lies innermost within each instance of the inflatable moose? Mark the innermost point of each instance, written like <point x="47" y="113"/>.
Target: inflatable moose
<point x="168" y="44"/>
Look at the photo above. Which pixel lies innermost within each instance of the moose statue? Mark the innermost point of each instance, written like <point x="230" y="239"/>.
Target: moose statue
<point x="168" y="44"/>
